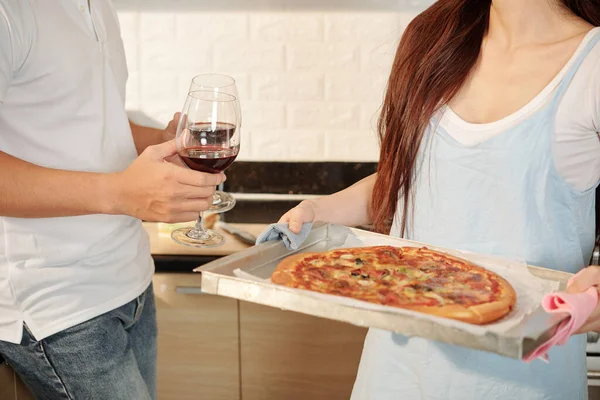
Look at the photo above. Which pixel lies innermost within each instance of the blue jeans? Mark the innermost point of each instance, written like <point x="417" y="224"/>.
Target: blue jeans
<point x="110" y="357"/>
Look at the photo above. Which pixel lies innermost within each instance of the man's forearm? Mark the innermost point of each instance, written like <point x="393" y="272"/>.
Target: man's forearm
<point x="144" y="136"/>
<point x="30" y="191"/>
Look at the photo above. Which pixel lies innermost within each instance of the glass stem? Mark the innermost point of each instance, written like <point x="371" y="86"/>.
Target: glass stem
<point x="216" y="198"/>
<point x="199" y="232"/>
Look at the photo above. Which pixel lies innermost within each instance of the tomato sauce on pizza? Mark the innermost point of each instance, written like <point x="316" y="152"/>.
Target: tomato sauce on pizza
<point x="414" y="278"/>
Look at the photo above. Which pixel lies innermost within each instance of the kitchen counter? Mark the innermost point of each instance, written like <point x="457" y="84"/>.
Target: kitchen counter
<point x="162" y="244"/>
<point x="173" y="257"/>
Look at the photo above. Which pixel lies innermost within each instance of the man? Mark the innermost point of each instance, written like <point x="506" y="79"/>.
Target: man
<point x="77" y="317"/>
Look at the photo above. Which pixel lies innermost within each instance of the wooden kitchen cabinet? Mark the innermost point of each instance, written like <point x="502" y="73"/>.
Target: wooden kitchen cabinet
<point x="198" y="342"/>
<point x="292" y="356"/>
<point x="11" y="387"/>
<point x="7" y="383"/>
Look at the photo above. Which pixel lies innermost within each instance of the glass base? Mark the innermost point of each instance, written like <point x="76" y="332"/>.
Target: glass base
<point x="221" y="202"/>
<point x="188" y="237"/>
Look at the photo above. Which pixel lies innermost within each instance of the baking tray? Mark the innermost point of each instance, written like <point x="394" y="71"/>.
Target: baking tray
<point x="218" y="278"/>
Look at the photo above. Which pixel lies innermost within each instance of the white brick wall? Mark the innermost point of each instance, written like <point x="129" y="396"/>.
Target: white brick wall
<point x="311" y="74"/>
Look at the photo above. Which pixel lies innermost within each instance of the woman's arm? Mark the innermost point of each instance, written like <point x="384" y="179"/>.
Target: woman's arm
<point x="348" y="207"/>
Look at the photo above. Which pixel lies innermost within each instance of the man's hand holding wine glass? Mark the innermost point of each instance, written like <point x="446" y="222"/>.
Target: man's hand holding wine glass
<point x="171" y="129"/>
<point x="169" y="134"/>
<point x="154" y="190"/>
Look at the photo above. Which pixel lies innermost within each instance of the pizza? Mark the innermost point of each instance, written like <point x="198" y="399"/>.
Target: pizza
<point x="413" y="278"/>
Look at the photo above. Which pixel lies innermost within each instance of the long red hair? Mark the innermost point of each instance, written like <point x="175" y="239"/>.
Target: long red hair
<point x="437" y="52"/>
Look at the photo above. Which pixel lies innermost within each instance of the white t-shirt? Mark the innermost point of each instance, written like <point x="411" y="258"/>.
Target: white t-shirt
<point x="62" y="96"/>
<point x="576" y="144"/>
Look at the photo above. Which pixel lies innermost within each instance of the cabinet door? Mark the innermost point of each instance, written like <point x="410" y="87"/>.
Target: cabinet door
<point x="11" y="386"/>
<point x="7" y="383"/>
<point x="292" y="356"/>
<point x="198" y="341"/>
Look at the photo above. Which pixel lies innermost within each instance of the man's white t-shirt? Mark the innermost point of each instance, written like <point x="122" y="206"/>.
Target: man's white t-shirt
<point x="62" y="96"/>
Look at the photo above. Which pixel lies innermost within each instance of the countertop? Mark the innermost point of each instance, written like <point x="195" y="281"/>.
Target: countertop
<point x="161" y="243"/>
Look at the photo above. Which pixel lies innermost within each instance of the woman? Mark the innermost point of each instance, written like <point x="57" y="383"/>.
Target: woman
<point x="489" y="143"/>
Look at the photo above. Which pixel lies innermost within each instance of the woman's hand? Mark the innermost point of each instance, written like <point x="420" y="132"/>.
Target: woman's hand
<point x="589" y="277"/>
<point x="348" y="207"/>
<point x="303" y="213"/>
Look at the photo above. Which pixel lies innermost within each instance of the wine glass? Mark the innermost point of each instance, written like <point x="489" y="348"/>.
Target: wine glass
<point x="208" y="140"/>
<point x="222" y="84"/>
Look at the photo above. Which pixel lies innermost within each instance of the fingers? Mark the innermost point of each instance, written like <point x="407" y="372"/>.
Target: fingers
<point x="182" y="210"/>
<point x="195" y="178"/>
<point x="584" y="279"/>
<point x="593" y="322"/>
<point x="173" y="123"/>
<point x="189" y="192"/>
<point x="161" y="151"/>
<point x="285" y="218"/>
<point x="297" y="218"/>
<point x="295" y="227"/>
<point x="194" y="205"/>
<point x="589" y="327"/>
<point x="179" y="217"/>
<point x="176" y="160"/>
<point x="171" y="129"/>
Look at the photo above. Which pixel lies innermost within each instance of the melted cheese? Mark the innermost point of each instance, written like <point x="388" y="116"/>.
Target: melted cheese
<point x="365" y="282"/>
<point x="435" y="296"/>
<point x="317" y="263"/>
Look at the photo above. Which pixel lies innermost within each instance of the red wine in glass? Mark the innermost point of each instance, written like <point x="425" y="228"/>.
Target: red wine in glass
<point x="209" y="147"/>
<point x="211" y="159"/>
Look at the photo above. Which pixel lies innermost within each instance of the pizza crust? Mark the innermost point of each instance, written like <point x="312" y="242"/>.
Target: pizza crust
<point x="284" y="272"/>
<point x="506" y="297"/>
<point x="477" y="314"/>
<point x="505" y="302"/>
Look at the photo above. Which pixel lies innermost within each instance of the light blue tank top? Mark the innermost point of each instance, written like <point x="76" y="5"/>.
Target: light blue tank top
<point x="502" y="197"/>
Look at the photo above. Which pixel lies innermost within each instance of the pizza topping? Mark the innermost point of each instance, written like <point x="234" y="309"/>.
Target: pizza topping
<point x="364" y="282"/>
<point x="435" y="296"/>
<point x="361" y="273"/>
<point x="420" y="286"/>
<point x="413" y="277"/>
<point x="317" y="272"/>
<point x="411" y="273"/>
<point x="410" y="291"/>
<point x="380" y="273"/>
<point x="341" y="284"/>
<point x="428" y="267"/>
<point x="455" y="297"/>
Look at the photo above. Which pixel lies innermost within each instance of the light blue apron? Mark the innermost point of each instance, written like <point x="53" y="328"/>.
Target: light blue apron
<point x="502" y="197"/>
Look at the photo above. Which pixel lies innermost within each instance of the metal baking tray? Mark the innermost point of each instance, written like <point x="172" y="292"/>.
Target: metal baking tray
<point x="218" y="278"/>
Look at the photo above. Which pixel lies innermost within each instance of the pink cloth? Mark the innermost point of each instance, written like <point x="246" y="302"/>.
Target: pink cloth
<point x="580" y="306"/>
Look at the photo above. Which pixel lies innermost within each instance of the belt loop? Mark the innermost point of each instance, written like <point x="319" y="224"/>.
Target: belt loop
<point x="139" y="306"/>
